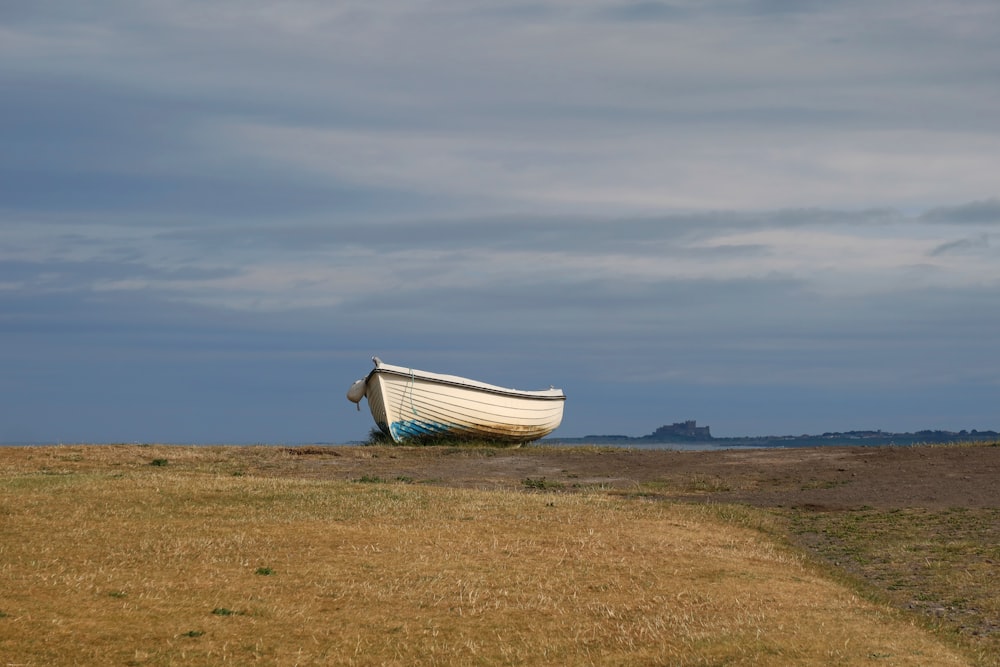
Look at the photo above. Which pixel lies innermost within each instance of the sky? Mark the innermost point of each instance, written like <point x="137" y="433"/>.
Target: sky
<point x="774" y="217"/>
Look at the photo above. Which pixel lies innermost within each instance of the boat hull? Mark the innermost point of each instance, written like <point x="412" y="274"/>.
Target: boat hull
<point x="408" y="405"/>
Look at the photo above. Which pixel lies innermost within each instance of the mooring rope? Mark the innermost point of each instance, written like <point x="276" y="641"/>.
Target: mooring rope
<point x="412" y="407"/>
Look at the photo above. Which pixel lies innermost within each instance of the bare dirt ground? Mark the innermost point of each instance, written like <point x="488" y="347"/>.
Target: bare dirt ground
<point x="832" y="478"/>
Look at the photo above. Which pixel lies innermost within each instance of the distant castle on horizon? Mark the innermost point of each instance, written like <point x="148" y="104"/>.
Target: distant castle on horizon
<point x="686" y="430"/>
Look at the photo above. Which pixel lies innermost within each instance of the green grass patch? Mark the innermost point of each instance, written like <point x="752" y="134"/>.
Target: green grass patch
<point x="224" y="611"/>
<point x="377" y="438"/>
<point x="541" y="484"/>
<point x="370" y="479"/>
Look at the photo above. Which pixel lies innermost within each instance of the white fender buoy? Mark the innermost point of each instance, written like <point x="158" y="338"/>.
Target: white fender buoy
<point x="357" y="392"/>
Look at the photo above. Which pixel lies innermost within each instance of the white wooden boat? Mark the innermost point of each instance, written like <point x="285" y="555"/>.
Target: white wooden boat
<point x="408" y="404"/>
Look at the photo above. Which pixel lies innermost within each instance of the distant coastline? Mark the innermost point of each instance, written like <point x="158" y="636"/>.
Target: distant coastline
<point x="688" y="432"/>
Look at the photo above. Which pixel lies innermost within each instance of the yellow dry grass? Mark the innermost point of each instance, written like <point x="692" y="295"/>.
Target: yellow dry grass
<point x="106" y="559"/>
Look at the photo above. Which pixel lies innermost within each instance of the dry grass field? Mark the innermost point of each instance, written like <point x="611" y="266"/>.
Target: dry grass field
<point x="150" y="555"/>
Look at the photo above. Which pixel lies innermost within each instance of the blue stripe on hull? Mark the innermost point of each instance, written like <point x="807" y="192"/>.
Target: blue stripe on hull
<point x="414" y="428"/>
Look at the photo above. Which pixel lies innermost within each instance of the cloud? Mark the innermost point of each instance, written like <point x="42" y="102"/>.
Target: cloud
<point x="962" y="245"/>
<point x="637" y="170"/>
<point x="675" y="195"/>
<point x="551" y="112"/>
<point x="648" y="11"/>
<point x="288" y="266"/>
<point x="985" y="212"/>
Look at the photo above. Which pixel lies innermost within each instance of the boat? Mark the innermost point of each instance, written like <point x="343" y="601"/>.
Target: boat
<point x="411" y="405"/>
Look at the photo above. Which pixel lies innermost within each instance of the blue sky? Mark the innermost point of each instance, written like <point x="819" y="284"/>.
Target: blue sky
<point x="773" y="217"/>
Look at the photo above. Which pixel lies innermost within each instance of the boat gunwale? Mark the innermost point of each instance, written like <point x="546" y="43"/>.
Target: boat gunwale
<point x="465" y="383"/>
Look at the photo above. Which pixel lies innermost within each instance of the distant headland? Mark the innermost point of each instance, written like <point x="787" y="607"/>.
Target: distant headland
<point x="689" y="432"/>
